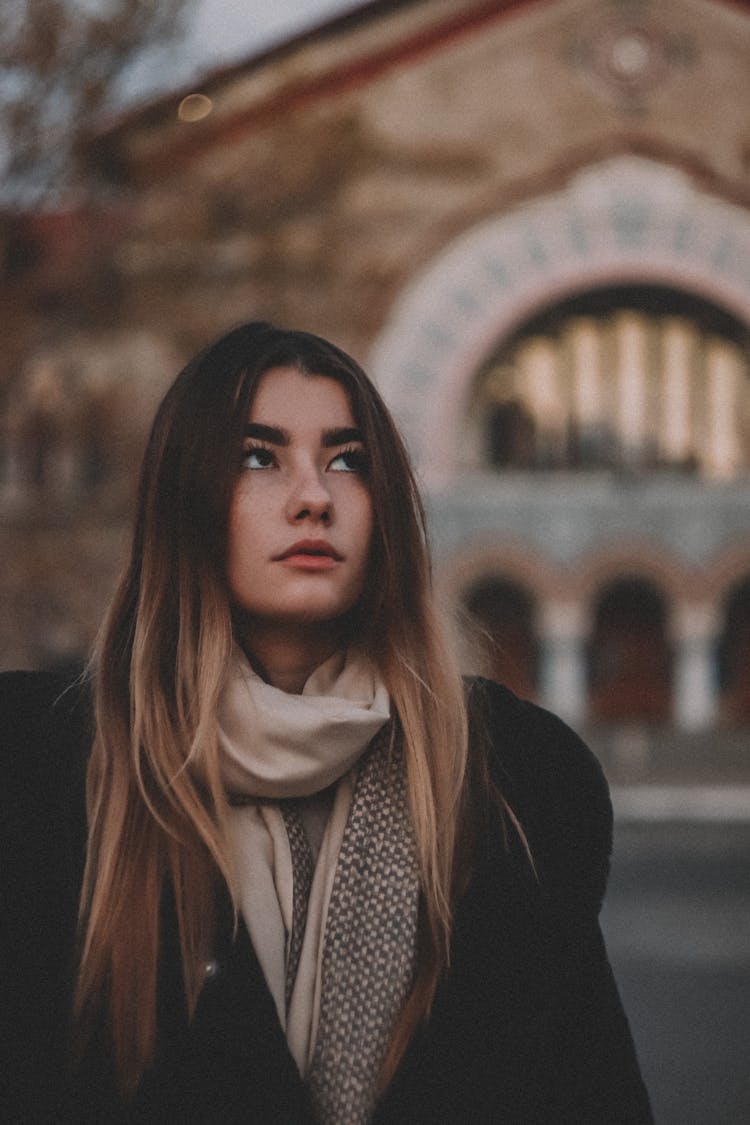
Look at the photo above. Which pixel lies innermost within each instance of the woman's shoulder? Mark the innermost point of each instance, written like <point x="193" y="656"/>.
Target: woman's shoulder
<point x="531" y="743"/>
<point x="552" y="781"/>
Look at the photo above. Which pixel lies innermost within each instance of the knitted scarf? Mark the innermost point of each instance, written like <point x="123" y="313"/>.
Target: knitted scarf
<point x="334" y="931"/>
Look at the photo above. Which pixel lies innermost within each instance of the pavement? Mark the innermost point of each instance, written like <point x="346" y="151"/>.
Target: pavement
<point x="677" y="924"/>
<point x="677" y="913"/>
<point x="695" y="803"/>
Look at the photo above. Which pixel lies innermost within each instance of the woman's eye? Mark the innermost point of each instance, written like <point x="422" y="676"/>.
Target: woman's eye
<point x="258" y="458"/>
<point x="349" y="461"/>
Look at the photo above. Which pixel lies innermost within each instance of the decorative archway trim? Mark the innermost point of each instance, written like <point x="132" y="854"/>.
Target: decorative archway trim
<point x="627" y="220"/>
<point x="632" y="559"/>
<point x="513" y="561"/>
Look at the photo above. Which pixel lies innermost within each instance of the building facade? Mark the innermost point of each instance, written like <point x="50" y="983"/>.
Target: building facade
<point x="531" y="222"/>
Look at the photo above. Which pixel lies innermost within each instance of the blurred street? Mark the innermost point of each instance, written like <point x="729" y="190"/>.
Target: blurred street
<point x="677" y="922"/>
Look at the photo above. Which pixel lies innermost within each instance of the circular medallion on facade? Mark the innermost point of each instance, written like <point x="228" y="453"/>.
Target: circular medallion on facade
<point x="628" y="52"/>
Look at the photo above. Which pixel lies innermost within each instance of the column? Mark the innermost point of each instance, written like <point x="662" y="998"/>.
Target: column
<point x="694" y="632"/>
<point x="540" y="388"/>
<point x="584" y="340"/>
<point x="632" y="384"/>
<point x="723" y="373"/>
<point x="588" y="410"/>
<point x="562" y="627"/>
<point x="675" y="436"/>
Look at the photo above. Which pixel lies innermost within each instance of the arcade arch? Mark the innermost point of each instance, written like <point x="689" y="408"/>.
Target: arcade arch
<point x="628" y="635"/>
<point x="733" y="653"/>
<point x="503" y="632"/>
<point x="629" y="653"/>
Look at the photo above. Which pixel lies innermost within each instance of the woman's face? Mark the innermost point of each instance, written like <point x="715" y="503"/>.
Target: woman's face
<point x="300" y="517"/>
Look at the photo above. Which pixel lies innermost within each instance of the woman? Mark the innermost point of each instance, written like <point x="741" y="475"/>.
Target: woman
<point x="323" y="880"/>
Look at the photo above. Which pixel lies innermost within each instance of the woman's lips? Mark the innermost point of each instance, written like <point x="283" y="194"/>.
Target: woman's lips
<point x="310" y="554"/>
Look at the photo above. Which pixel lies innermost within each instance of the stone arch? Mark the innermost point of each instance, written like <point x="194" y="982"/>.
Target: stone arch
<point x="626" y="220"/>
<point x="630" y="656"/>
<point x="727" y="596"/>
<point x="680" y="589"/>
<point x="634" y="558"/>
<point x="497" y="593"/>
<point x="733" y="652"/>
<point x="504" y="613"/>
<point x="514" y="561"/>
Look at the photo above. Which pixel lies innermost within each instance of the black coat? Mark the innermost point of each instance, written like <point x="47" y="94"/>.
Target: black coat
<point x="527" y="1026"/>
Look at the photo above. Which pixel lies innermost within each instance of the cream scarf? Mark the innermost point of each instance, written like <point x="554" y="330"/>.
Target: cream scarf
<point x="275" y="746"/>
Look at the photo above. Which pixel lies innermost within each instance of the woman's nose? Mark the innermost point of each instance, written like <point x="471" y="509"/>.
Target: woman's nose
<point x="309" y="498"/>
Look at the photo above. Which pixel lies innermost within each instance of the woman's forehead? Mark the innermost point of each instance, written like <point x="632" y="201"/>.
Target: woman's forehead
<point x="289" y="398"/>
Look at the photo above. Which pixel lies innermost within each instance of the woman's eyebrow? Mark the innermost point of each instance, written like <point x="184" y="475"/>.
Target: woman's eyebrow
<point x="344" y="435"/>
<point x="273" y="434"/>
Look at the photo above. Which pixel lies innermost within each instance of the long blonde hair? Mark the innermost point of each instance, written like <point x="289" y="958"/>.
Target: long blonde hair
<point x="157" y="810"/>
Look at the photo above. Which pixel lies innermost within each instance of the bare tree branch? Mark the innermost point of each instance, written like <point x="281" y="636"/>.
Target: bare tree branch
<point x="62" y="64"/>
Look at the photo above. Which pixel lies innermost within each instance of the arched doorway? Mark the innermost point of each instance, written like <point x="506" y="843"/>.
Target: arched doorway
<point x="630" y="665"/>
<point x="734" y="655"/>
<point x="503" y="633"/>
